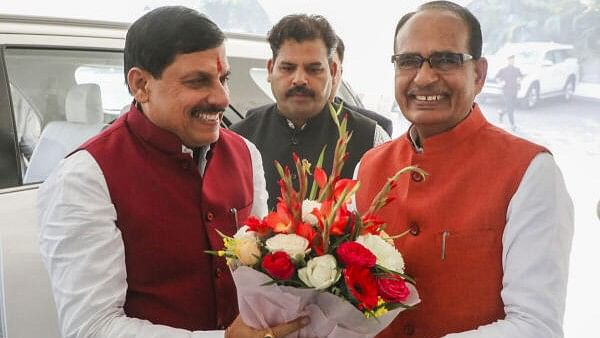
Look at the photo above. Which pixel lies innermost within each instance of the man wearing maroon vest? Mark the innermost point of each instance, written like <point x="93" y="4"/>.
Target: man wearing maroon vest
<point x="126" y="219"/>
<point x="489" y="230"/>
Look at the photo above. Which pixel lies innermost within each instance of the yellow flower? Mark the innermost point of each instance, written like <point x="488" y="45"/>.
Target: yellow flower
<point x="247" y="251"/>
<point x="380" y="312"/>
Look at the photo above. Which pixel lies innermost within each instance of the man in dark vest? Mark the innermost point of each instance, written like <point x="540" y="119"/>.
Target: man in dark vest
<point x="126" y="218"/>
<point x="301" y="72"/>
<point x="338" y="58"/>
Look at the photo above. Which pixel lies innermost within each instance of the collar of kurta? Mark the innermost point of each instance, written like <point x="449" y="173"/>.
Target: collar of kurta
<point x="315" y="120"/>
<point x="162" y="139"/>
<point x="443" y="141"/>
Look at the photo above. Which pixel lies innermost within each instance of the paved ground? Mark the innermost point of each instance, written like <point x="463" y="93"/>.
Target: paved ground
<point x="588" y="90"/>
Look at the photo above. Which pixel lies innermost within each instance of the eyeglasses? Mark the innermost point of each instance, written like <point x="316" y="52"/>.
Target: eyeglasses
<point x="441" y="61"/>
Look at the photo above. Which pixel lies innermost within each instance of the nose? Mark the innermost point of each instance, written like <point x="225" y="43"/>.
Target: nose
<point x="300" y="78"/>
<point x="425" y="75"/>
<point x="219" y="96"/>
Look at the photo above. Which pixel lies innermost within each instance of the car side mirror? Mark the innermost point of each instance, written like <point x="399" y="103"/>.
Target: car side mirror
<point x="547" y="63"/>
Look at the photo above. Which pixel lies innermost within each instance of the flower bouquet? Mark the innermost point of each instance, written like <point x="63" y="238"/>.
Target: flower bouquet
<point x="314" y="256"/>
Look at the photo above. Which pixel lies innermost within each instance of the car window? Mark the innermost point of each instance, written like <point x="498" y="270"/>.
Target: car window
<point x="74" y="94"/>
<point x="115" y="97"/>
<point x="549" y="56"/>
<point x="28" y="122"/>
<point x="560" y="55"/>
<point x="46" y="84"/>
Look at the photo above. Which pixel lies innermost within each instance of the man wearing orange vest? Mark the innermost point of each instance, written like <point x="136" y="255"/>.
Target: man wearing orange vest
<point x="489" y="230"/>
<point x="126" y="219"/>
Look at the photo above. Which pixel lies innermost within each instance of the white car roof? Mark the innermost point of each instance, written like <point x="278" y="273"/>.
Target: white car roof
<point x="518" y="47"/>
<point x="61" y="32"/>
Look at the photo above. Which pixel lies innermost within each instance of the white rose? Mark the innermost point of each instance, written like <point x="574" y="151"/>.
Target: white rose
<point x="292" y="244"/>
<point x="307" y="207"/>
<point x="387" y="255"/>
<point x="246" y="246"/>
<point x="320" y="272"/>
<point x="244" y="233"/>
<point x="247" y="251"/>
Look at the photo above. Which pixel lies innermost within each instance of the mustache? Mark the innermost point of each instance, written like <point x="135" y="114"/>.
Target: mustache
<point x="427" y="89"/>
<point x="207" y="108"/>
<point x="302" y="90"/>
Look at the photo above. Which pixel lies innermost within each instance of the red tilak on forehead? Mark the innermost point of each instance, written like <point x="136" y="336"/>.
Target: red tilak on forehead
<point x="219" y="66"/>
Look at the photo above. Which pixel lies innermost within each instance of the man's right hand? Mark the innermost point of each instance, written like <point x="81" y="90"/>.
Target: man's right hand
<point x="238" y="329"/>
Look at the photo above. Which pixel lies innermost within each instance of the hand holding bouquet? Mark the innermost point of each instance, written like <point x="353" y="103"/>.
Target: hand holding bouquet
<point x="314" y="256"/>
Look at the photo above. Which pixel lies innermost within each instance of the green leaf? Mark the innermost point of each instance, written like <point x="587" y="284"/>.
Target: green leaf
<point x="393" y="306"/>
<point x="403" y="275"/>
<point x="290" y="282"/>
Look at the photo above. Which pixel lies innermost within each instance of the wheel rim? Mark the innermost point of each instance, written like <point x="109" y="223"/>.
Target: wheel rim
<point x="569" y="90"/>
<point x="532" y="98"/>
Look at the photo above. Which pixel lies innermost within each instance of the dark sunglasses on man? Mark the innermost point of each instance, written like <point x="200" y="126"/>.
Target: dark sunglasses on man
<point x="441" y="61"/>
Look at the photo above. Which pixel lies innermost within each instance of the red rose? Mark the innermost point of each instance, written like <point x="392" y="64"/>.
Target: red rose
<point x="393" y="288"/>
<point x="355" y="254"/>
<point x="362" y="286"/>
<point x="278" y="265"/>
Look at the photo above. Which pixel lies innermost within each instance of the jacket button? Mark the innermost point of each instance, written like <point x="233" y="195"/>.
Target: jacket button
<point x="416" y="176"/>
<point x="218" y="272"/>
<point x="414" y="229"/>
<point x="185" y="165"/>
<point x="409" y="329"/>
<point x="294" y="176"/>
<point x="295" y="141"/>
<point x="210" y="216"/>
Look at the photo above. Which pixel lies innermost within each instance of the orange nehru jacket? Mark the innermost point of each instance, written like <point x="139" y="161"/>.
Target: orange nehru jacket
<point x="456" y="218"/>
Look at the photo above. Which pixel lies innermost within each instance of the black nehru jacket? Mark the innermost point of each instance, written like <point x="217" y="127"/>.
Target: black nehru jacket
<point x="276" y="140"/>
<point x="381" y="120"/>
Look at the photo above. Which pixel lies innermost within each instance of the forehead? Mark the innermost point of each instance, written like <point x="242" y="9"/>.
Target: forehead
<point x="433" y="30"/>
<point x="214" y="59"/>
<point x="302" y="52"/>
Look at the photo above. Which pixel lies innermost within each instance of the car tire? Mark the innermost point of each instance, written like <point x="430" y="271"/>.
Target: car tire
<point x="532" y="97"/>
<point x="569" y="89"/>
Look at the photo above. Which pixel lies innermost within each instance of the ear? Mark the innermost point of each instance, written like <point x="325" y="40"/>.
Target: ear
<point x="333" y="67"/>
<point x="137" y="79"/>
<point x="269" y="69"/>
<point x="481" y="66"/>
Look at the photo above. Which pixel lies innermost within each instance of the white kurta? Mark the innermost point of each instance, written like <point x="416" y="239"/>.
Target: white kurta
<point x="83" y="251"/>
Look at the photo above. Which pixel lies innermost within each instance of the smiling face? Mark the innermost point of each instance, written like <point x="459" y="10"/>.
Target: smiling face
<point x="189" y="97"/>
<point x="301" y="79"/>
<point x="436" y="101"/>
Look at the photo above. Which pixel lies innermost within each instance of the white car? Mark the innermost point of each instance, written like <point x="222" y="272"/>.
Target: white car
<point x="61" y="82"/>
<point x="549" y="70"/>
